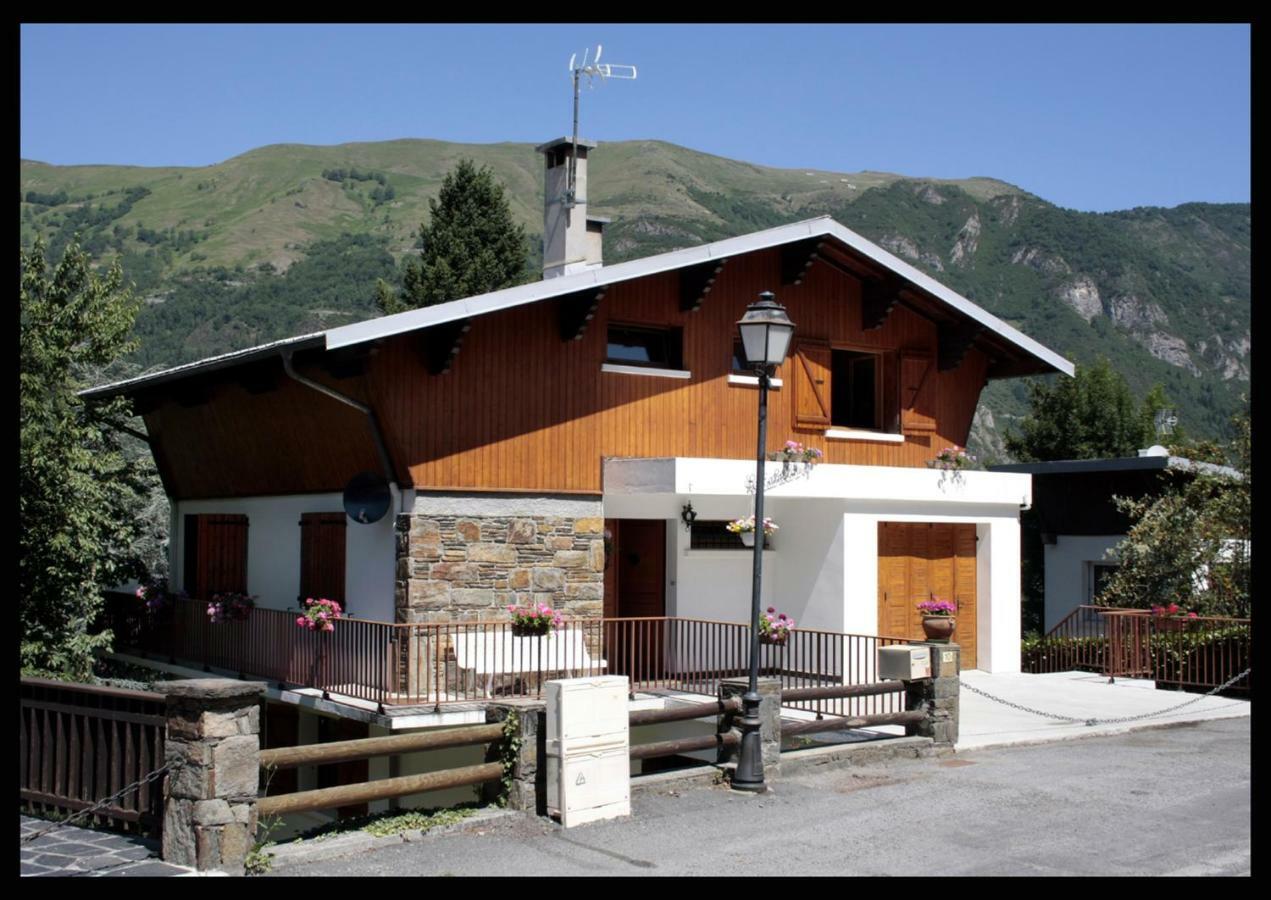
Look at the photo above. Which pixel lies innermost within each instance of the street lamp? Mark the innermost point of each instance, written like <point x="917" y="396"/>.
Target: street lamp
<point x="765" y="338"/>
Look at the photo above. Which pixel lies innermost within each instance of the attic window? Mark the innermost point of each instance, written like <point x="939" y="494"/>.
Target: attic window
<point x="633" y="345"/>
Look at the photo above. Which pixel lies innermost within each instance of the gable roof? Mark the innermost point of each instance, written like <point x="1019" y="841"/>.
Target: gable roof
<point x="415" y="319"/>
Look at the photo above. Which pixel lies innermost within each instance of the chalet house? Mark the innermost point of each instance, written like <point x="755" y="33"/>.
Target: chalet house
<point x="542" y="442"/>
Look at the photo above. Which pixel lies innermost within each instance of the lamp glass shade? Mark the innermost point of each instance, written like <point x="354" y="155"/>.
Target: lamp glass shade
<point x="765" y="332"/>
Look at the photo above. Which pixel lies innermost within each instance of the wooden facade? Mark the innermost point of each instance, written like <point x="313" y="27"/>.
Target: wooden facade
<point x="524" y="406"/>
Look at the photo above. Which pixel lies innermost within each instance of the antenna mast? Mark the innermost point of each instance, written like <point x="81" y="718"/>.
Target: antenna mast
<point x="591" y="70"/>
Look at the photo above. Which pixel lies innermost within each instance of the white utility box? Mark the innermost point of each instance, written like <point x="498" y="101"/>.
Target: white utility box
<point x="588" y="746"/>
<point x="904" y="663"/>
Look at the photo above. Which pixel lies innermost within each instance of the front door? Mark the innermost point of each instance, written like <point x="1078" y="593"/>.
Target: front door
<point x="635" y="589"/>
<point x="921" y="560"/>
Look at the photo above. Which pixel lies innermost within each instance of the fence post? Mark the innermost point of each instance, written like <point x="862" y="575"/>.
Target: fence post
<point x="769" y="720"/>
<point x="937" y="696"/>
<point x="213" y="744"/>
<point x="528" y="790"/>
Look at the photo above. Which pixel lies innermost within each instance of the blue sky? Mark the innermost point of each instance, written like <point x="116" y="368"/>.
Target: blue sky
<point x="1090" y="117"/>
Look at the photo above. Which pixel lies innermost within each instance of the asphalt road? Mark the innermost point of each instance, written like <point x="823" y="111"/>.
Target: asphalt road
<point x="1170" y="801"/>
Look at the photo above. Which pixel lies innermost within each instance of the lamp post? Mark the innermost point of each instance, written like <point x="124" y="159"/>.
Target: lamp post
<point x="765" y="338"/>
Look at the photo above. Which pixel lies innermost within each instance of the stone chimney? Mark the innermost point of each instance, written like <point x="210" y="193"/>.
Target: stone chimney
<point x="571" y="238"/>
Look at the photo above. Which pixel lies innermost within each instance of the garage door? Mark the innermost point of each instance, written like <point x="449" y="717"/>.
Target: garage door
<point x="918" y="560"/>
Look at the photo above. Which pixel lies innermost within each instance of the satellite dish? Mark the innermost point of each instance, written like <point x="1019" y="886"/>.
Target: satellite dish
<point x="367" y="498"/>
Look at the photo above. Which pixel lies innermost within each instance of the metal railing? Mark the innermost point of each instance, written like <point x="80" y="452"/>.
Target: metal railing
<point x="1189" y="652"/>
<point x="437" y="663"/>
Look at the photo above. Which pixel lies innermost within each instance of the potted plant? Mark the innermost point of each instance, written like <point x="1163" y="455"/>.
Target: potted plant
<point x="774" y="627"/>
<point x="795" y="452"/>
<point x="952" y="459"/>
<point x="746" y="528"/>
<point x="319" y="615"/>
<point x="230" y="606"/>
<point x="535" y="620"/>
<point x="938" y="618"/>
<point x="156" y="595"/>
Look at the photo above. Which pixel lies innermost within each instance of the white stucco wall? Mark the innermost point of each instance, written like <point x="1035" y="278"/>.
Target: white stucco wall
<point x="1065" y="564"/>
<point x="823" y="568"/>
<point x="273" y="551"/>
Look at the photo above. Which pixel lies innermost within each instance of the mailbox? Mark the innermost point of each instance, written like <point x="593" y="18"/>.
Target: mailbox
<point x="904" y="663"/>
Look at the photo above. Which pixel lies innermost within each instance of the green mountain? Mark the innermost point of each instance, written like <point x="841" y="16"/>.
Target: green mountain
<point x="291" y="238"/>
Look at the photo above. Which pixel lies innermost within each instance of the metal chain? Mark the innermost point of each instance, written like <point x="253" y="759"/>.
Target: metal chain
<point x="1116" y="721"/>
<point x="157" y="773"/>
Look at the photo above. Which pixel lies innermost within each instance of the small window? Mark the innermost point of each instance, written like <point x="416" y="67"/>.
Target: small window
<point x="716" y="536"/>
<point x="739" y="365"/>
<point x="633" y="345"/>
<point x="1100" y="573"/>
<point x="854" y="391"/>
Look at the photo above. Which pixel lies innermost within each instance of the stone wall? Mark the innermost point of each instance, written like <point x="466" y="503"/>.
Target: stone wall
<point x="457" y="567"/>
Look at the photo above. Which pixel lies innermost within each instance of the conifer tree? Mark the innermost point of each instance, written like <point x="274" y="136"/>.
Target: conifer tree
<point x="77" y="493"/>
<point x="470" y="246"/>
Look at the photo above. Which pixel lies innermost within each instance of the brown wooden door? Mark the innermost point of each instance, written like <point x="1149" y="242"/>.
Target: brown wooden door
<point x="919" y="560"/>
<point x="635" y="588"/>
<point x="281" y="728"/>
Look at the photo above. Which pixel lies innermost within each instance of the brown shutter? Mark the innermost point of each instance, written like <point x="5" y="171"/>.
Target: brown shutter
<point x="322" y="556"/>
<point x="917" y="392"/>
<point x="812" y="386"/>
<point x="221" y="561"/>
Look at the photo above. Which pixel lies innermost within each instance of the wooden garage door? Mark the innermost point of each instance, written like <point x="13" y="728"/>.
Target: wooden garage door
<point x="917" y="560"/>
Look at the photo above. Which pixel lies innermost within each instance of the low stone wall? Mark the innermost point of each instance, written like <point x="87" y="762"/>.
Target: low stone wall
<point x="456" y="567"/>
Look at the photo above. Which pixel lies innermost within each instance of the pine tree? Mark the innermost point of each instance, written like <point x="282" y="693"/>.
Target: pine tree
<point x="471" y="245"/>
<point x="77" y="493"/>
<point x="1092" y="415"/>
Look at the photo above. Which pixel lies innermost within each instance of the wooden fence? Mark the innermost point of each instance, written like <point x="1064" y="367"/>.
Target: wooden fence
<point x="80" y="744"/>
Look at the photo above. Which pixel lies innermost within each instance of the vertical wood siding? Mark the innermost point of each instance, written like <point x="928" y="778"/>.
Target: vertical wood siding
<point x="523" y="410"/>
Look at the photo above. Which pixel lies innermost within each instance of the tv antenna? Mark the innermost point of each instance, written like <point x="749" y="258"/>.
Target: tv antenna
<point x="593" y="69"/>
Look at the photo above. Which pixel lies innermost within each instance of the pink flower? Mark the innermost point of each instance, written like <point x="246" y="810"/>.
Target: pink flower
<point x="301" y="620"/>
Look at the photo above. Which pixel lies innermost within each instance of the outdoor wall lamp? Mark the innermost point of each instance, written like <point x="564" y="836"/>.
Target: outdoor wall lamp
<point x="765" y="338"/>
<point x="688" y="516"/>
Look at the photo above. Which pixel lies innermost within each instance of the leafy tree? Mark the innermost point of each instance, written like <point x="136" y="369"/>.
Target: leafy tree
<point x="1089" y="416"/>
<point x="470" y="246"/>
<point x="77" y="493"/>
<point x="1190" y="545"/>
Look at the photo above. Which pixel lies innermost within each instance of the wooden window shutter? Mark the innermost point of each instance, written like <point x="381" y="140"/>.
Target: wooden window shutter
<point x="917" y="392"/>
<point x="220" y="561"/>
<point x="322" y="556"/>
<point x="812" y="385"/>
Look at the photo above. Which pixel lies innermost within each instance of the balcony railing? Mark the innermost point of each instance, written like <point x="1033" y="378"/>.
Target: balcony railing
<point x="434" y="664"/>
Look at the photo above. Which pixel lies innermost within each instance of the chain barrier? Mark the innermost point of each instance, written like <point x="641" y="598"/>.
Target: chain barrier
<point x="101" y="804"/>
<point x="1116" y="721"/>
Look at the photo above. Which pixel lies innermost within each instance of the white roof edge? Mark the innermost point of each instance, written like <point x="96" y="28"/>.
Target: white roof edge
<point x="212" y="362"/>
<point x="411" y="320"/>
<point x="388" y="326"/>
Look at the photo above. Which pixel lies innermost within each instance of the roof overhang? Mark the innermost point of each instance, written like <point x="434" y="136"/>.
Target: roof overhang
<point x="1119" y="464"/>
<point x="1027" y="355"/>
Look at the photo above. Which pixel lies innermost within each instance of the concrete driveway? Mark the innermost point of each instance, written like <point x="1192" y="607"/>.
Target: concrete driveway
<point x="1081" y="695"/>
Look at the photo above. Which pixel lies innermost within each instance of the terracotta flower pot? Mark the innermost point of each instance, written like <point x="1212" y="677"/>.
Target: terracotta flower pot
<point x="938" y="628"/>
<point x="773" y="640"/>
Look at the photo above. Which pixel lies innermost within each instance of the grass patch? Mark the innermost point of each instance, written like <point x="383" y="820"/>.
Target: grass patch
<point x="393" y="822"/>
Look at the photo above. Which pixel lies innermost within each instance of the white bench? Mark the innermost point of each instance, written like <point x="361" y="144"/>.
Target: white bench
<point x="489" y="653"/>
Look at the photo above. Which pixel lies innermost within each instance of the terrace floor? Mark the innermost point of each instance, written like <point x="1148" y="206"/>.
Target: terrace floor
<point x="988" y="723"/>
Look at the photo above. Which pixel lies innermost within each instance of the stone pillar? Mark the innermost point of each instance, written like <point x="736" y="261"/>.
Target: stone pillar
<point x="213" y="745"/>
<point x="528" y="790"/>
<point x="937" y="696"/>
<point x="769" y="720"/>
